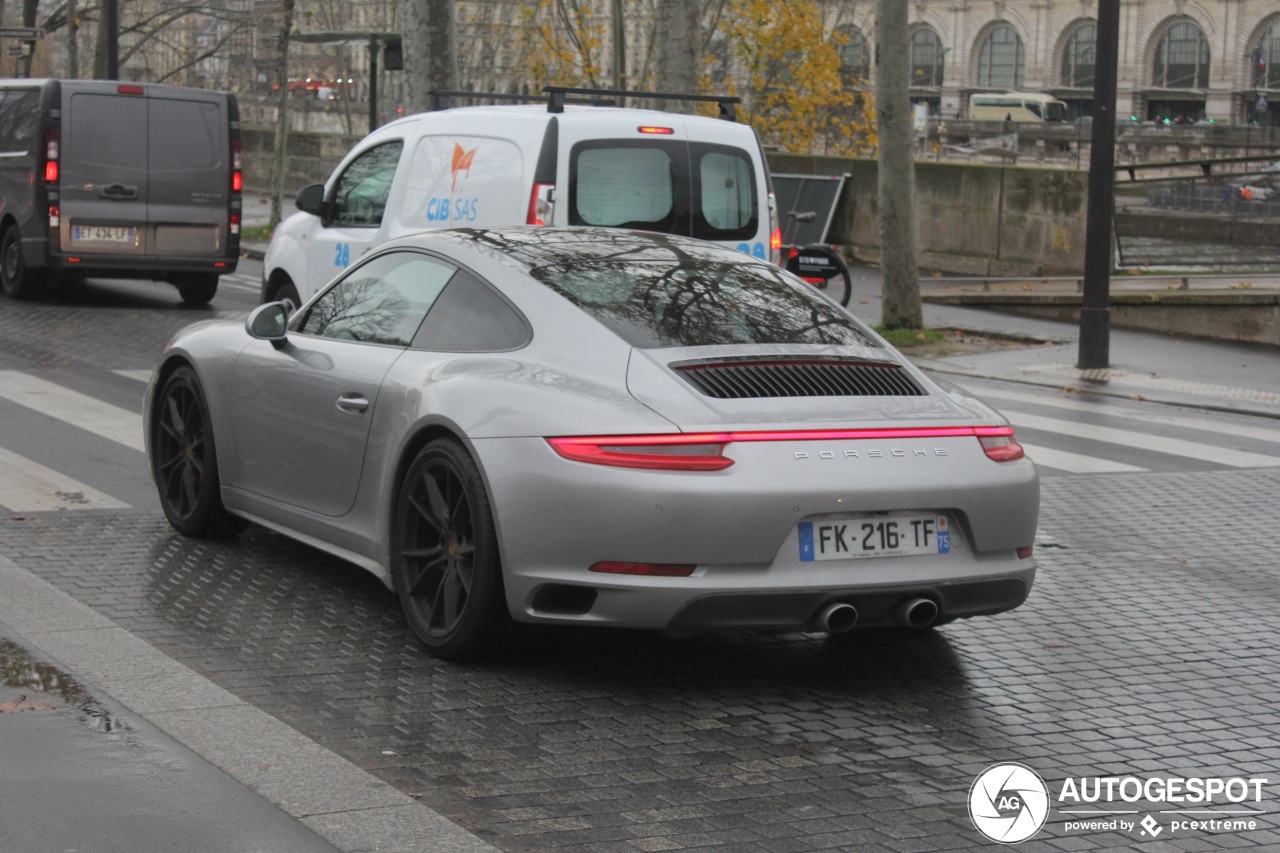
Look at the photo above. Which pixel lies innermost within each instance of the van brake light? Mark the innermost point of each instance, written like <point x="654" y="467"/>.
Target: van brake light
<point x="541" y="204"/>
<point x="663" y="131"/>
<point x="51" y="156"/>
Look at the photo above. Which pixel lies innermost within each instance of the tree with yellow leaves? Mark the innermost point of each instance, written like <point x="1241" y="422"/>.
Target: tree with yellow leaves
<point x="563" y="42"/>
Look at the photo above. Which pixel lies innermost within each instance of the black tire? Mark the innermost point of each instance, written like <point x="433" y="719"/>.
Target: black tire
<point x="445" y="561"/>
<point x="197" y="288"/>
<point x="288" y="294"/>
<point x="184" y="460"/>
<point x="839" y="287"/>
<point x="16" y="279"/>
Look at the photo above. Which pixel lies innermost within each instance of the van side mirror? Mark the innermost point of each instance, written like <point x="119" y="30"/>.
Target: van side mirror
<point x="311" y="200"/>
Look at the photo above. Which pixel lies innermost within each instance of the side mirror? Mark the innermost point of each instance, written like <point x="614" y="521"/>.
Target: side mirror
<point x="269" y="322"/>
<point x="311" y="200"/>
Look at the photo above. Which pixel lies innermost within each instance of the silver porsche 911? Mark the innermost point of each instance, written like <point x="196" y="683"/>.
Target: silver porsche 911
<point x="596" y="427"/>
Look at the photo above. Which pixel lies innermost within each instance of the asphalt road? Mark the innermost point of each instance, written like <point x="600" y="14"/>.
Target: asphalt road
<point x="1148" y="648"/>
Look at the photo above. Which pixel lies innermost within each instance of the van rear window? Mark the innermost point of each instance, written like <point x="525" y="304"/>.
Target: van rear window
<point x="694" y="189"/>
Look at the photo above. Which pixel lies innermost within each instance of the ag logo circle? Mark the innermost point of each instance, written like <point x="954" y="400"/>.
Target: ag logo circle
<point x="1009" y="802"/>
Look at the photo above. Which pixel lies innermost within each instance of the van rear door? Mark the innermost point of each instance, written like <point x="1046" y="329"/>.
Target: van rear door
<point x="145" y="176"/>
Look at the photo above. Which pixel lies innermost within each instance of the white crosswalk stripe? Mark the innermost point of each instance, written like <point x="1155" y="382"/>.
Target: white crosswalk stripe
<point x="1075" y="463"/>
<point x="88" y="413"/>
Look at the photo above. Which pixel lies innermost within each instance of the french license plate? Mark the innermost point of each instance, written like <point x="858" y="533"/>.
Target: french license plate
<point x="875" y="536"/>
<point x="103" y="234"/>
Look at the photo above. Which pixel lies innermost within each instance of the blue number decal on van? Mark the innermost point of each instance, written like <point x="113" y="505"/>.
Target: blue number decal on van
<point x="343" y="256"/>
<point x="759" y="252"/>
<point x="744" y="247"/>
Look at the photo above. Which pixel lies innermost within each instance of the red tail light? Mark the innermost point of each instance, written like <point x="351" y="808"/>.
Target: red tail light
<point x="663" y="570"/>
<point x="237" y="165"/>
<point x="55" y="216"/>
<point x="998" y="444"/>
<point x="541" y="204"/>
<point x="705" y="451"/>
<point x="234" y="227"/>
<point x="691" y="452"/>
<point x="51" y="156"/>
<point x="775" y="232"/>
<point x="664" y="131"/>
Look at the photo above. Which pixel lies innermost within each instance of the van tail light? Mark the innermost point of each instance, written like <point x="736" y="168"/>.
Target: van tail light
<point x="668" y="452"/>
<point x="998" y="444"/>
<point x="661" y="131"/>
<point x="234" y="226"/>
<point x="55" y="216"/>
<point x="541" y="204"/>
<point x="237" y="165"/>
<point x="51" y="156"/>
<point x="775" y="232"/>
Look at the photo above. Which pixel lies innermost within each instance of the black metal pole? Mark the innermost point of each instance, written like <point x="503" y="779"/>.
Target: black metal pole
<point x="111" y="22"/>
<point x="1095" y="311"/>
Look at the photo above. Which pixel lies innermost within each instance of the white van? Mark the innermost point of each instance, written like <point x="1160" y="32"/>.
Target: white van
<point x="545" y="164"/>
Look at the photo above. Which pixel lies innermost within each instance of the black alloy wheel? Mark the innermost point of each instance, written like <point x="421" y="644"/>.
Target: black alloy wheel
<point x="445" y="559"/>
<point x="185" y="461"/>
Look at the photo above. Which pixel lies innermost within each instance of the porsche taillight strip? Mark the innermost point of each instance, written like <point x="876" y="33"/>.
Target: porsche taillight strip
<point x="705" y="451"/>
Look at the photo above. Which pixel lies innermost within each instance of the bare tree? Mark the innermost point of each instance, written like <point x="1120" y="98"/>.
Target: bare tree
<point x="430" y="55"/>
<point x="678" y="58"/>
<point x="281" y="159"/>
<point x="896" y="186"/>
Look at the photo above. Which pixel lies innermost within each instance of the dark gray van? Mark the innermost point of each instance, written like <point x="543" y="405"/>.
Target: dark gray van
<point x="118" y="180"/>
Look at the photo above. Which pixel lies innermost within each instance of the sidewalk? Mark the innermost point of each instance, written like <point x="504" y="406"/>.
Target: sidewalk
<point x="1174" y="370"/>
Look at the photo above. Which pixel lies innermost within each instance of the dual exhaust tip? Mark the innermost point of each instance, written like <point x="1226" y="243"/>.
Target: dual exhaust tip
<point x="840" y="616"/>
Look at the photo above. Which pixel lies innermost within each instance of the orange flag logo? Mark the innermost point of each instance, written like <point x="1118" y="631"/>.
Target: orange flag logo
<point x="461" y="163"/>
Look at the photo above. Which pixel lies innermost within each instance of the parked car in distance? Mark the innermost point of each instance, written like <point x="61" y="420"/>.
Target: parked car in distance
<point x="535" y="164"/>
<point x="596" y="427"/>
<point x="118" y="180"/>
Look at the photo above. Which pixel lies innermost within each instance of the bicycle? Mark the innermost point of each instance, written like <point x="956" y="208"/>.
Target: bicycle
<point x="819" y="265"/>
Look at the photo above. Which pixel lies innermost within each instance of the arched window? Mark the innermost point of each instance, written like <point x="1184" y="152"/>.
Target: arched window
<point x="855" y="57"/>
<point x="1264" y="59"/>
<point x="1001" y="61"/>
<point x="927" y="58"/>
<point x="1079" y="57"/>
<point x="1182" y="58"/>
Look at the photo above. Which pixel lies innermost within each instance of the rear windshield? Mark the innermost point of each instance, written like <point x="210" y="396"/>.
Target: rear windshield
<point x="695" y="189"/>
<point x="703" y="303"/>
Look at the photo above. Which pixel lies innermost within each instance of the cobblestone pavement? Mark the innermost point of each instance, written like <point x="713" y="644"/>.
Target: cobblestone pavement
<point x="1148" y="648"/>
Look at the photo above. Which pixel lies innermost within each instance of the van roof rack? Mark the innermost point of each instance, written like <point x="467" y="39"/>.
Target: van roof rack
<point x="556" y="98"/>
<point x="440" y="98"/>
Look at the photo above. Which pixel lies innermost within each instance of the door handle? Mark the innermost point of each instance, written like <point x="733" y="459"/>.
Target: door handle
<point x="118" y="191"/>
<point x="353" y="403"/>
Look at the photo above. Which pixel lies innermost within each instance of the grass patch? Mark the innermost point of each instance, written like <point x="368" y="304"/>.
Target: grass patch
<point x="260" y="234"/>
<point x="907" y="338"/>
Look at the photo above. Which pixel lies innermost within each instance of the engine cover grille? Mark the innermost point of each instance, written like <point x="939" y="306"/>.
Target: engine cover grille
<point x="742" y="380"/>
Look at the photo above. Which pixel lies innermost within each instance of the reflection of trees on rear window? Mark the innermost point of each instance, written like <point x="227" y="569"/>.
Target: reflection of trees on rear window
<point x="623" y="187"/>
<point x="700" y="303"/>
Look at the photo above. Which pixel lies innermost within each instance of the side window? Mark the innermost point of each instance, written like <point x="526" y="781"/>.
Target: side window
<point x="622" y="184"/>
<point x="360" y="196"/>
<point x="382" y="301"/>
<point x="470" y="317"/>
<point x="19" y="118"/>
<point x="725" y="193"/>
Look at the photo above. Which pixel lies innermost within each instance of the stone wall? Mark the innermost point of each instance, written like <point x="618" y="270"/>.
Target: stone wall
<point x="971" y="219"/>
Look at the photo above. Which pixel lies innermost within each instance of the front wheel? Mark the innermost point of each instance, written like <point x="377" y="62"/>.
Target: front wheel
<point x="184" y="460"/>
<point x="288" y="294"/>
<point x="445" y="555"/>
<point x="16" y="279"/>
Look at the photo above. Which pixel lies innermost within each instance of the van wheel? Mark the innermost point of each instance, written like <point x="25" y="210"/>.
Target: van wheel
<point x="16" y="279"/>
<point x="288" y="294"/>
<point x="197" y="289"/>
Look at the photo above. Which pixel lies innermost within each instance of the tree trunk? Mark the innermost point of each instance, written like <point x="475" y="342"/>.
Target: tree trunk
<point x="896" y="189"/>
<point x="430" y="55"/>
<point x="679" y="53"/>
<point x="280" y="164"/>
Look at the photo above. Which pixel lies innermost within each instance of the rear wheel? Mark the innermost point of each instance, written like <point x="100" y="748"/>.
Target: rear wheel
<point x="16" y="279"/>
<point x="197" y="288"/>
<point x="184" y="460"/>
<point x="445" y="555"/>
